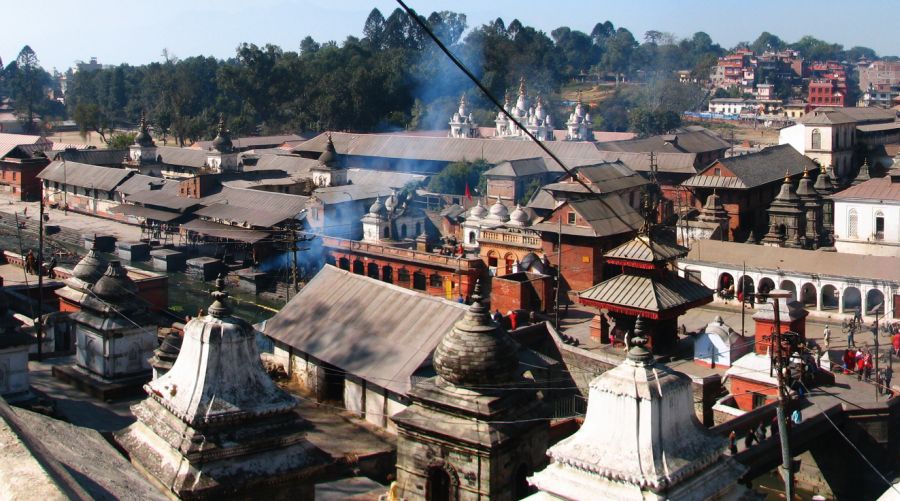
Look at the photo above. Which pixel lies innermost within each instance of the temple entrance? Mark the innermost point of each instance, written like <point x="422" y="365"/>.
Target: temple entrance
<point x="387" y="274"/>
<point x="439" y="486"/>
<point x="358" y="267"/>
<point x="373" y="271"/>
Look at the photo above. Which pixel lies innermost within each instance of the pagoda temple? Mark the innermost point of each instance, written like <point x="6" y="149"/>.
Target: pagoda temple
<point x="216" y="426"/>
<point x="641" y="440"/>
<point x="647" y="287"/>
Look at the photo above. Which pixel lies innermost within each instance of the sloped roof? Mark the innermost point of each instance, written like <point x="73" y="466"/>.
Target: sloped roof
<point x="252" y="141"/>
<point x="825" y="116"/>
<point x="878" y="189"/>
<point x="219" y="230"/>
<point x="374" y="330"/>
<point x="688" y="140"/>
<point x="258" y="199"/>
<point x="163" y="198"/>
<point x="642" y="248"/>
<point x="755" y="169"/>
<point x="675" y="163"/>
<point x="862" y="115"/>
<point x="84" y="175"/>
<point x="350" y="193"/>
<point x="184" y="157"/>
<point x="520" y="167"/>
<point x="610" y="177"/>
<point x="391" y="179"/>
<point x="145" y="212"/>
<point x="291" y="164"/>
<point x="448" y="149"/>
<point x="605" y="215"/>
<point x="8" y="142"/>
<point x="260" y="216"/>
<point x="93" y="157"/>
<point x="643" y="293"/>
<point x="140" y="182"/>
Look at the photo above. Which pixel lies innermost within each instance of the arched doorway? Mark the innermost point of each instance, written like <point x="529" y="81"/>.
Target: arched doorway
<point x="808" y="295"/>
<point x="789" y="286"/>
<point x="874" y="302"/>
<point x="852" y="300"/>
<point x="492" y="260"/>
<point x="766" y="285"/>
<point x="829" y="297"/>
<point x="745" y="289"/>
<point x="403" y="277"/>
<point x="510" y="261"/>
<point x="725" y="281"/>
<point x="344" y="264"/>
<point x="387" y="274"/>
<point x="441" y="484"/>
<point x="373" y="271"/>
<point x="359" y="268"/>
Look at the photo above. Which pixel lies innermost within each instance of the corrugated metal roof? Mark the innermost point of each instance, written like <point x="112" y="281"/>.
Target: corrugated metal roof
<point x="8" y="142"/>
<point x="258" y="217"/>
<point x="876" y="189"/>
<point x="448" y="149"/>
<point x="645" y="293"/>
<point x="350" y="193"/>
<point x="610" y="177"/>
<point x="183" y="157"/>
<point x="859" y="266"/>
<point x="642" y="248"/>
<point x="252" y="141"/>
<point x="218" y="230"/>
<point x="878" y="127"/>
<point x="675" y="163"/>
<point x="517" y="168"/>
<point x="291" y="164"/>
<point x="376" y="331"/>
<point x="93" y="157"/>
<point x="690" y="140"/>
<point x="84" y="175"/>
<point x="258" y="199"/>
<point x="145" y="212"/>
<point x="391" y="179"/>
<point x="140" y="182"/>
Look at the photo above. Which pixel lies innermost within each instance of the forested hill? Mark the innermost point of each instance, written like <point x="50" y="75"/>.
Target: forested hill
<point x="393" y="78"/>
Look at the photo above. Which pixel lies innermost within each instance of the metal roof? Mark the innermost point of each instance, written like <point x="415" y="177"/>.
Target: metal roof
<point x="163" y="198"/>
<point x="218" y="230"/>
<point x="610" y="177"/>
<point x="878" y="189"/>
<point x="391" y="179"/>
<point x="642" y="248"/>
<point x="8" y="142"/>
<point x="647" y="294"/>
<point x="878" y="127"/>
<point x="93" y="157"/>
<point x="145" y="212"/>
<point x="291" y="164"/>
<point x="349" y="193"/>
<point x="675" y="163"/>
<point x="754" y="169"/>
<point x="605" y="215"/>
<point x="252" y="141"/>
<point x="371" y="329"/>
<point x="140" y="182"/>
<point x="258" y="217"/>
<point x="84" y="175"/>
<point x="448" y="149"/>
<point x="688" y="140"/>
<point x="520" y="167"/>
<point x="819" y="263"/>
<point x="184" y="157"/>
<point x="258" y="199"/>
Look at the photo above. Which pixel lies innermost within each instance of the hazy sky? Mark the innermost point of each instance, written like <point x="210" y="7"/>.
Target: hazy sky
<point x="63" y="31"/>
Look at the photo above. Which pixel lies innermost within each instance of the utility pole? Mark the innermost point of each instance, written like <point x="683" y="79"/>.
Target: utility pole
<point x="787" y="461"/>
<point x="38" y="325"/>
<point x="743" y="293"/>
<point x="877" y="353"/>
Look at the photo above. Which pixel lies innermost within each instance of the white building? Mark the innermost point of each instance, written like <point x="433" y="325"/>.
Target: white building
<point x="462" y="124"/>
<point x="720" y="345"/>
<point x="579" y="127"/>
<point x="828" y="284"/>
<point x="825" y="135"/>
<point x="728" y="105"/>
<point x="535" y="118"/>
<point x="867" y="217"/>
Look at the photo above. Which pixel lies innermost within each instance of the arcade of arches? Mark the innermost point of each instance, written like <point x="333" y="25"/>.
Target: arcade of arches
<point x="814" y="296"/>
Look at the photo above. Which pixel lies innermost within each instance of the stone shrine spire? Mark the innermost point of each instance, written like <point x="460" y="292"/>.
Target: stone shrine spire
<point x="215" y="423"/>
<point x="222" y="142"/>
<point x="640" y="440"/>
<point x="143" y="137"/>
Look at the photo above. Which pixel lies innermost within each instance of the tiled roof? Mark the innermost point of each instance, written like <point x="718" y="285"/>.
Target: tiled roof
<point x="647" y="294"/>
<point x="755" y="169"/>
<point x="879" y="189"/>
<point x="84" y="175"/>
<point x="605" y="215"/>
<point x="688" y="140"/>
<point x="252" y="141"/>
<point x="93" y="157"/>
<point x="140" y="182"/>
<point x="350" y="193"/>
<point x="675" y="163"/>
<point x="373" y="330"/>
<point x="8" y="142"/>
<point x="517" y="168"/>
<point x="182" y="157"/>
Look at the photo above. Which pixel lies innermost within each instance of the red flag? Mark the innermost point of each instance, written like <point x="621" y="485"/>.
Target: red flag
<point x="468" y="194"/>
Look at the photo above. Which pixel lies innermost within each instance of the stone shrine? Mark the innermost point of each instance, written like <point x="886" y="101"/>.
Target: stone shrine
<point x="640" y="440"/>
<point x="216" y="426"/>
<point x="474" y="430"/>
<point x="14" y="346"/>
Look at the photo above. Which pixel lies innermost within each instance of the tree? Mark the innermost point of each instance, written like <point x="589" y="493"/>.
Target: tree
<point x="456" y="176"/>
<point x="619" y="49"/>
<point x="28" y="79"/>
<point x="373" y="30"/>
<point x="121" y="141"/>
<point x="90" y="119"/>
<point x="767" y="41"/>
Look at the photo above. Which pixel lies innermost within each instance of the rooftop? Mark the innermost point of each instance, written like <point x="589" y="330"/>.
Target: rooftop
<point x="754" y="169"/>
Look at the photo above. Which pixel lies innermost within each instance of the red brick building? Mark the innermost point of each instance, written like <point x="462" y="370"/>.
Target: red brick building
<point x="826" y="92"/>
<point x="434" y="274"/>
<point x="18" y="177"/>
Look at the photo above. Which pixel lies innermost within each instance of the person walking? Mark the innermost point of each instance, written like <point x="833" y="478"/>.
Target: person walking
<point x="732" y="444"/>
<point x="868" y="364"/>
<point x="860" y="365"/>
<point x="886" y="380"/>
<point x="826" y="337"/>
<point x="850" y="332"/>
<point x="749" y="439"/>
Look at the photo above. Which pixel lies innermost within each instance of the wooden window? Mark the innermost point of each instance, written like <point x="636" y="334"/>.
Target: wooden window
<point x="570" y="218"/>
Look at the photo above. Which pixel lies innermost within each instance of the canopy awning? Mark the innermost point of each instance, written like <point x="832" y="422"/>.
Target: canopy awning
<point x="218" y="230"/>
<point x="145" y="212"/>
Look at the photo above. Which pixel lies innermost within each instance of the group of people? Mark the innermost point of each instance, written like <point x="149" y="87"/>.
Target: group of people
<point x="757" y="434"/>
<point x="32" y="266"/>
<point x="859" y="361"/>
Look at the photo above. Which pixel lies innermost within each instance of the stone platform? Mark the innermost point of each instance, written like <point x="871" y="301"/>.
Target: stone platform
<point x="100" y="388"/>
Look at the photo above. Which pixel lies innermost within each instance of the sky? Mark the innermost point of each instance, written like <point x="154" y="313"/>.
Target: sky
<point x="127" y="31"/>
